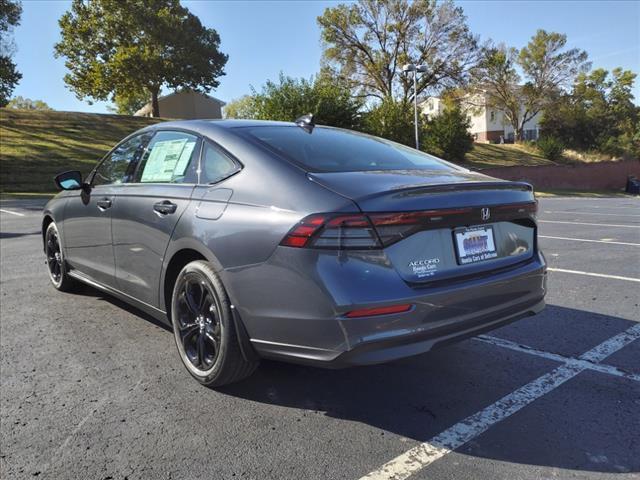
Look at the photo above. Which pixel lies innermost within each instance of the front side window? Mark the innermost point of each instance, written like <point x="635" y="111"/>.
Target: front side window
<point x="121" y="163"/>
<point x="170" y="157"/>
<point x="333" y="150"/>
<point x="216" y="165"/>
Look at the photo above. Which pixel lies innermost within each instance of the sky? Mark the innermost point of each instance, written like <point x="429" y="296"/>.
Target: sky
<point x="264" y="38"/>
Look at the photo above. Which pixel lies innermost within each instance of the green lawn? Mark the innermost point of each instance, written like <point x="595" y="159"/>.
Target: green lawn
<point x="35" y="146"/>
<point x="486" y="155"/>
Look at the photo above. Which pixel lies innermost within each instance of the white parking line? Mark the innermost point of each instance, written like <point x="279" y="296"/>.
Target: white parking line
<point x="591" y="274"/>
<point x="426" y="453"/>
<point x="588" y="365"/>
<point x="583" y="223"/>
<point x="588" y="240"/>
<point x="611" y="206"/>
<point x="594" y="213"/>
<point x="12" y="213"/>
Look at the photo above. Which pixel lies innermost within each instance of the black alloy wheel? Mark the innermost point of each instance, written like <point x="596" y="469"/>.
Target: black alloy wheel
<point x="205" y="329"/>
<point x="54" y="255"/>
<point x="199" y="325"/>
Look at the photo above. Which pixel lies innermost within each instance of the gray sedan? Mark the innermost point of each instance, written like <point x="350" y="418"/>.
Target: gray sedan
<point x="295" y="242"/>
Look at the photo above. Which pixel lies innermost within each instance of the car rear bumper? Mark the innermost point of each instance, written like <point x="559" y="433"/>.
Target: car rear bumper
<point x="401" y="346"/>
<point x="294" y="308"/>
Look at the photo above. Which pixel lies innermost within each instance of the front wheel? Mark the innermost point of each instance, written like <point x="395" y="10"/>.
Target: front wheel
<point x="56" y="265"/>
<point x="204" y="329"/>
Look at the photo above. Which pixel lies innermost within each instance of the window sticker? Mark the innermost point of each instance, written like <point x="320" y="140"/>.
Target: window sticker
<point x="168" y="160"/>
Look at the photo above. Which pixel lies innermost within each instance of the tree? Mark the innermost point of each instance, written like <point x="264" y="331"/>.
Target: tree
<point x="447" y="135"/>
<point x="10" y="12"/>
<point x="243" y="107"/>
<point x="392" y="120"/>
<point x="129" y="102"/>
<point x="547" y="68"/>
<point x="598" y="114"/>
<point x="21" y="103"/>
<point x="368" y="42"/>
<point x="330" y="102"/>
<point x="113" y="48"/>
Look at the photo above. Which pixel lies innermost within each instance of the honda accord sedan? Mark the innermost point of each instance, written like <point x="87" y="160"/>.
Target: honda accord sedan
<point x="295" y="242"/>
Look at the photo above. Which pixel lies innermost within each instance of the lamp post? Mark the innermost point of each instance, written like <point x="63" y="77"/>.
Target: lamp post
<point x="410" y="67"/>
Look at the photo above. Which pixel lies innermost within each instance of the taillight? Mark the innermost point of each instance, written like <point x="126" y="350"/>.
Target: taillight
<point x="392" y="227"/>
<point x="333" y="232"/>
<point x="520" y="208"/>
<point x="379" y="230"/>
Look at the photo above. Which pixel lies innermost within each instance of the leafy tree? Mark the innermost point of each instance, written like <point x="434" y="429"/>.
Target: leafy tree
<point x="243" y="107"/>
<point x="368" y="42"/>
<point x="547" y="68"/>
<point x="329" y="101"/>
<point x="114" y="47"/>
<point x="21" y="103"/>
<point x="392" y="120"/>
<point x="10" y="12"/>
<point x="598" y="113"/>
<point x="129" y="102"/>
<point x="447" y="135"/>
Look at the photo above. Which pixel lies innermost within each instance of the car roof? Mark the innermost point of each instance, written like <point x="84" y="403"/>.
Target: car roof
<point x="219" y="123"/>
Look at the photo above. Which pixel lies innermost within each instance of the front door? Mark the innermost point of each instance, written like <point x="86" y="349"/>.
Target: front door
<point x="87" y="233"/>
<point x="147" y="209"/>
<point x="87" y="215"/>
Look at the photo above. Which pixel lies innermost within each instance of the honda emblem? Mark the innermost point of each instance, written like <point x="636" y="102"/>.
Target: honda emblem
<point x="485" y="214"/>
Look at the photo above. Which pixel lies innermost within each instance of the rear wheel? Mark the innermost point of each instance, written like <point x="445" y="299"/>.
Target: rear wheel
<point x="203" y="327"/>
<point x="56" y="265"/>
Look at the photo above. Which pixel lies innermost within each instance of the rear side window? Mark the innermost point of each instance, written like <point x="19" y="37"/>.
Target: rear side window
<point x="333" y="150"/>
<point x="170" y="157"/>
<point x="216" y="165"/>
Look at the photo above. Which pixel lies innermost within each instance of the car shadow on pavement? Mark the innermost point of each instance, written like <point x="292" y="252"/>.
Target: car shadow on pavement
<point x="17" y="234"/>
<point x="419" y="397"/>
<point x="89" y="291"/>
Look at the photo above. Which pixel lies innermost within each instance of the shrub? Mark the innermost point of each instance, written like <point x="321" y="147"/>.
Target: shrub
<point x="550" y="147"/>
<point x="447" y="135"/>
<point x="392" y="120"/>
<point x="287" y="99"/>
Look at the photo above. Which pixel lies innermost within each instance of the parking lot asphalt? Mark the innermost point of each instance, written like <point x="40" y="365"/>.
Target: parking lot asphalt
<point x="92" y="388"/>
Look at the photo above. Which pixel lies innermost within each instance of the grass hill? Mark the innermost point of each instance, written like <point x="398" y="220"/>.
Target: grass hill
<point x="36" y="145"/>
<point x="485" y="155"/>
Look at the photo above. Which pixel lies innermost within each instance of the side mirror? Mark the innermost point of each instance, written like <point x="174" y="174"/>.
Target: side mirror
<point x="71" y="180"/>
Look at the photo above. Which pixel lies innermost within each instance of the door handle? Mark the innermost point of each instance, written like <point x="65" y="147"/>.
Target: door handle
<point x="103" y="204"/>
<point x="165" y="207"/>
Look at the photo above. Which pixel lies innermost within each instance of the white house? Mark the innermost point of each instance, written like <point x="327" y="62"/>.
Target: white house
<point x="488" y="125"/>
<point x="185" y="105"/>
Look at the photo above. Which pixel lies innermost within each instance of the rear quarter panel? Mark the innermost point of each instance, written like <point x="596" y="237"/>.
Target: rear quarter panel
<point x="239" y="222"/>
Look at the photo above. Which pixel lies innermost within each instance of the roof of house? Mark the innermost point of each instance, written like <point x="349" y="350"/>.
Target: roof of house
<point x="180" y="92"/>
<point x="147" y="106"/>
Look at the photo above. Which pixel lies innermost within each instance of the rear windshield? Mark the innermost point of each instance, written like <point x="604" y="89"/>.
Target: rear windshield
<point x="332" y="150"/>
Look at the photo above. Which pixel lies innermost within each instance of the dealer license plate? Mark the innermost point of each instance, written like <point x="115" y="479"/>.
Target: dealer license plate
<point x="475" y="244"/>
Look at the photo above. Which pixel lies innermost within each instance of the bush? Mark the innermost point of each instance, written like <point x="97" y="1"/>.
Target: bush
<point x="551" y="147"/>
<point x="391" y="120"/>
<point x="329" y="101"/>
<point x="447" y="135"/>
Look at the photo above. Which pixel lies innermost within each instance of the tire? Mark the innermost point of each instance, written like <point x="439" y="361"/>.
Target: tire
<point x="204" y="329"/>
<point x="56" y="265"/>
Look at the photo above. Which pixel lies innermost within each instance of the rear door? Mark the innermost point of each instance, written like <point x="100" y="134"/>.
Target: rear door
<point x="147" y="209"/>
<point x="87" y="222"/>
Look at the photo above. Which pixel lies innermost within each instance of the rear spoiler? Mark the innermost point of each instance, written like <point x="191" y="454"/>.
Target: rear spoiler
<point x="457" y="187"/>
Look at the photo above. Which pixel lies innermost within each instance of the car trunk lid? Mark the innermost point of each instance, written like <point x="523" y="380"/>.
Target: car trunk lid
<point x="436" y="225"/>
